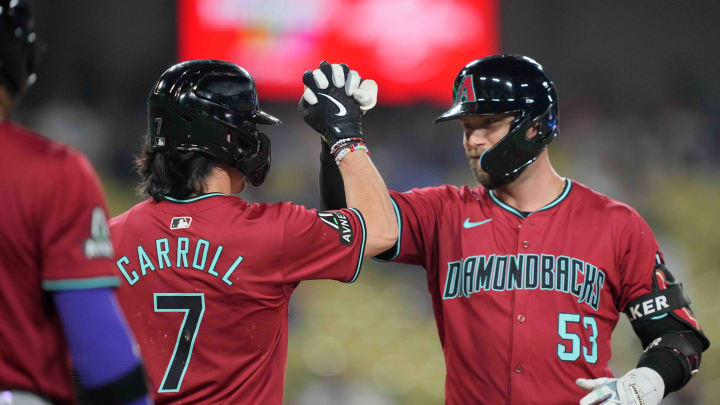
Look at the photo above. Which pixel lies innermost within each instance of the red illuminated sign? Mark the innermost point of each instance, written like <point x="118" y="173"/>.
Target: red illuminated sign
<point x="412" y="48"/>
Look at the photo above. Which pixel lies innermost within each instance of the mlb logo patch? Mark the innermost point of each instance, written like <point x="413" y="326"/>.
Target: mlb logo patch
<point x="180" y="222"/>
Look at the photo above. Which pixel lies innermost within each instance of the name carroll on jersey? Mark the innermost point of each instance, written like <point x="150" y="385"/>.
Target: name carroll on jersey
<point x="474" y="274"/>
<point x="203" y="256"/>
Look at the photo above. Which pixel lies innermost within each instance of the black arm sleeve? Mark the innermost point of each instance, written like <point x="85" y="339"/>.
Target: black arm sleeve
<point x="332" y="191"/>
<point x="332" y="187"/>
<point x="669" y="363"/>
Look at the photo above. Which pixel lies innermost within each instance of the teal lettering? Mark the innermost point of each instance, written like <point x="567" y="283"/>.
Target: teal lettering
<point x="474" y="274"/>
<point x="124" y="272"/>
<point x="211" y="270"/>
<point x="226" y="277"/>
<point x="162" y="254"/>
<point x="145" y="262"/>
<point x="182" y="250"/>
<point x="205" y="244"/>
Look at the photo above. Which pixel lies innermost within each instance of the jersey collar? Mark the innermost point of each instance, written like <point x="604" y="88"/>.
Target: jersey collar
<point x="200" y="197"/>
<point x="513" y="210"/>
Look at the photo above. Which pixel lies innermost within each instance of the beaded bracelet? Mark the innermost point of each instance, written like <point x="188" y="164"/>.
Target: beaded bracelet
<point x="344" y="152"/>
<point x="343" y="142"/>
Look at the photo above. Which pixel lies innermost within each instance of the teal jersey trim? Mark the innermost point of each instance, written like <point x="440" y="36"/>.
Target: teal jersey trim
<point x="80" y="283"/>
<point x="200" y="197"/>
<point x="362" y="246"/>
<point x="566" y="191"/>
<point x="397" y="244"/>
<point x="513" y="210"/>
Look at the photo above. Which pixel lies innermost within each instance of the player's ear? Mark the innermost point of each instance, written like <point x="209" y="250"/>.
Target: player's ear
<point x="532" y="132"/>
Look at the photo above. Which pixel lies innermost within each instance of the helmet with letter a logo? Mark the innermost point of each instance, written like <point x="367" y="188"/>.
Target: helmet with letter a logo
<point x="508" y="84"/>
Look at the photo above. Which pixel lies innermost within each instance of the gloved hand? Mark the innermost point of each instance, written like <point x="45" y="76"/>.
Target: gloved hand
<point x="335" y="100"/>
<point x="639" y="386"/>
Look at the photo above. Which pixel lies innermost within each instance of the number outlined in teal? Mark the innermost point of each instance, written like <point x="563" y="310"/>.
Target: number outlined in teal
<point x="573" y="355"/>
<point x="563" y="319"/>
<point x="187" y="303"/>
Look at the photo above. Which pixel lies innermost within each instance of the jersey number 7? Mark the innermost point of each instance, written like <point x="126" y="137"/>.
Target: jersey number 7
<point x="193" y="305"/>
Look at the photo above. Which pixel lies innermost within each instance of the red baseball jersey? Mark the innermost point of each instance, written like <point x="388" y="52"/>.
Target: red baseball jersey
<point x="53" y="236"/>
<point x="524" y="306"/>
<point x="205" y="285"/>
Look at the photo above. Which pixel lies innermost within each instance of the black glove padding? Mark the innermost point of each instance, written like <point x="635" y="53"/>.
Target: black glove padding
<point x="335" y="115"/>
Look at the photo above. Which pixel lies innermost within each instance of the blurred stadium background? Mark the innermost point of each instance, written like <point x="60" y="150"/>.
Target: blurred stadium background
<point x="639" y="89"/>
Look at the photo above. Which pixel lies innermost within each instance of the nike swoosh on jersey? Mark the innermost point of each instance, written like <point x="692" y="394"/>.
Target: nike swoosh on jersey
<point x="342" y="111"/>
<point x="467" y="224"/>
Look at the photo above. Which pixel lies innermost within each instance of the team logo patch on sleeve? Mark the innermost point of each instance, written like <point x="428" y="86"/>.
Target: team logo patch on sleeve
<point x="340" y="223"/>
<point x="180" y="222"/>
<point x="99" y="243"/>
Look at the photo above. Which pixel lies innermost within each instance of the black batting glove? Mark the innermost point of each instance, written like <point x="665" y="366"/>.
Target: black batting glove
<point x="335" y="100"/>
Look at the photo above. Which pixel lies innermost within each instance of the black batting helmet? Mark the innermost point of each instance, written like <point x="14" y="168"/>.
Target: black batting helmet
<point x="511" y="84"/>
<point x="211" y="106"/>
<point x="17" y="46"/>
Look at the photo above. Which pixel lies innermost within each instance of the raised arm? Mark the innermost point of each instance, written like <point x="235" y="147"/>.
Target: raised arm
<point x="332" y="187"/>
<point x="333" y="104"/>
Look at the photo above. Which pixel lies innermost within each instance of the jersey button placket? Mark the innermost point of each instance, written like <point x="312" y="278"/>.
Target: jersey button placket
<point x="520" y="329"/>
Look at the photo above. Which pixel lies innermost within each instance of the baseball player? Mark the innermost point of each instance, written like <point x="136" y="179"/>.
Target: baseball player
<point x="529" y="271"/>
<point x="56" y="272"/>
<point x="206" y="276"/>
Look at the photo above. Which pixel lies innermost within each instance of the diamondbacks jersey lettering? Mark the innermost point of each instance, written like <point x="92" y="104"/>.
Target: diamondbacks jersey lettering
<point x="524" y="305"/>
<point x="206" y="284"/>
<point x="53" y="236"/>
<point x="479" y="273"/>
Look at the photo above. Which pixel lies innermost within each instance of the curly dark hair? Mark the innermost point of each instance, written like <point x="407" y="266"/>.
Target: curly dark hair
<point x="172" y="173"/>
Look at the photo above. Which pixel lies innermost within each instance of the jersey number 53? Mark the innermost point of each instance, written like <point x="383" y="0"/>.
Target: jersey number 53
<point x="569" y="349"/>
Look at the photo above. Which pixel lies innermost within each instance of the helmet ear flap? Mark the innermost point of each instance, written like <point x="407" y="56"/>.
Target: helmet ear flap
<point x="256" y="162"/>
<point x="547" y="125"/>
<point x="244" y="141"/>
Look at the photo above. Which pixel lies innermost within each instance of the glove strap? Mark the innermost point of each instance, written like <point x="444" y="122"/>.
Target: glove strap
<point x="337" y="131"/>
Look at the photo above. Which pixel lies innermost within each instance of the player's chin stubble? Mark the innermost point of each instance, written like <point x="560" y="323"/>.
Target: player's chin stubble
<point x="480" y="174"/>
